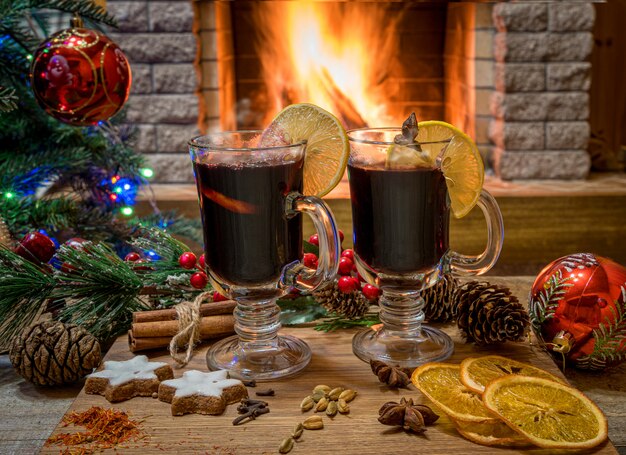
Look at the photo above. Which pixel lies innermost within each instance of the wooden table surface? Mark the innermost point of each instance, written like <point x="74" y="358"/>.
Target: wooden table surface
<point x="30" y="414"/>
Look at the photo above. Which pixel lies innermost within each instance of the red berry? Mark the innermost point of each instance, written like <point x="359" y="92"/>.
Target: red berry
<point x="348" y="253"/>
<point x="370" y="292"/>
<point x="357" y="281"/>
<point x="340" y="232"/>
<point x="199" y="280"/>
<point x="346" y="284"/>
<point x="138" y="265"/>
<point x="36" y="247"/>
<point x="310" y="260"/>
<point x="202" y="263"/>
<point x="217" y="297"/>
<point x="132" y="257"/>
<point x="345" y="266"/>
<point x="187" y="260"/>
<point x="314" y="239"/>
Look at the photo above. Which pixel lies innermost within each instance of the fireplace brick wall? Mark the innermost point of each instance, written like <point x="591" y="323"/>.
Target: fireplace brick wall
<point x="540" y="105"/>
<point x="158" y="39"/>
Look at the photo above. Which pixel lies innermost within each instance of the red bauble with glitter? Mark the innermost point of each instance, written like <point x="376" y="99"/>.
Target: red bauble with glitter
<point x="36" y="248"/>
<point x="80" y="76"/>
<point x="577" y="309"/>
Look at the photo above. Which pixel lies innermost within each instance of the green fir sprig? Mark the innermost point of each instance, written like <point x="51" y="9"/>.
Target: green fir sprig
<point x="543" y="307"/>
<point x="610" y="339"/>
<point x="336" y="322"/>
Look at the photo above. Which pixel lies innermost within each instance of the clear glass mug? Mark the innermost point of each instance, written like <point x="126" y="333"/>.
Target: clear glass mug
<point x="400" y="218"/>
<point x="251" y="204"/>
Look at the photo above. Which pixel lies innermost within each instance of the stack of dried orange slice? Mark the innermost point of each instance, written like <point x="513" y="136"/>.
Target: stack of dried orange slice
<point x="494" y="400"/>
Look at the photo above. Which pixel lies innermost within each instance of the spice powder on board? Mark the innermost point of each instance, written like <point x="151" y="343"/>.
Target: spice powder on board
<point x="105" y="429"/>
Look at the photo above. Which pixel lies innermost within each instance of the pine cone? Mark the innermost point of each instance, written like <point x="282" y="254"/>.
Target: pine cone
<point x="352" y="305"/>
<point x="53" y="353"/>
<point x="489" y="313"/>
<point x="440" y="305"/>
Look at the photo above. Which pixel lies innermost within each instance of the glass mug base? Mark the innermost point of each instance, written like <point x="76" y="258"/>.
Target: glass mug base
<point x="427" y="344"/>
<point x="286" y="356"/>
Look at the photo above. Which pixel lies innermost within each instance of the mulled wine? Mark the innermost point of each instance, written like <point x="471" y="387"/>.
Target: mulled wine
<point x="247" y="237"/>
<point x="400" y="217"/>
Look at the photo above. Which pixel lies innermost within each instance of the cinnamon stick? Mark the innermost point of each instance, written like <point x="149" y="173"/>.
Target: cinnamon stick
<point x="209" y="325"/>
<point x="169" y="314"/>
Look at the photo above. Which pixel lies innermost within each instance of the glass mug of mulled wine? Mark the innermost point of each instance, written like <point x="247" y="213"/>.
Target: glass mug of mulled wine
<point x="251" y="205"/>
<point x="400" y="218"/>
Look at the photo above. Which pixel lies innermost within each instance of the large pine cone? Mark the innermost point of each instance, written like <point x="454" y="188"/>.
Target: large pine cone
<point x="352" y="305"/>
<point x="439" y="300"/>
<point x="53" y="353"/>
<point x="489" y="313"/>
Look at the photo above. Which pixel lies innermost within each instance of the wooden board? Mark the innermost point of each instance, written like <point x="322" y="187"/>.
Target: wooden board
<point x="333" y="364"/>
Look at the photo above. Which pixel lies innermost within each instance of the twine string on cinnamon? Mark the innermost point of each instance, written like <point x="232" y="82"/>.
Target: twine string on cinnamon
<point x="188" y="328"/>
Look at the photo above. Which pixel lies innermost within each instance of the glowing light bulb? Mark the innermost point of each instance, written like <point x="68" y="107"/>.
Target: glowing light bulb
<point x="9" y="195"/>
<point x="147" y="172"/>
<point x="127" y="211"/>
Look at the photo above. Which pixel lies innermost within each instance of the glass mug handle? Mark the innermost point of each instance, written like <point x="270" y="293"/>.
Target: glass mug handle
<point x="477" y="265"/>
<point x="297" y="274"/>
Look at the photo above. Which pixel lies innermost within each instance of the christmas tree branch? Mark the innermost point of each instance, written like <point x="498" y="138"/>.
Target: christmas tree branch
<point x="25" y="288"/>
<point x="339" y="322"/>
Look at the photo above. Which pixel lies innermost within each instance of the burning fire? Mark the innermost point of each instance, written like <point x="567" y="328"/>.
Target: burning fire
<point x="337" y="55"/>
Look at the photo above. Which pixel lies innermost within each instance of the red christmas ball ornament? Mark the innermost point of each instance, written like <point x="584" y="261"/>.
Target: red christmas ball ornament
<point x="347" y="284"/>
<point x="36" y="247"/>
<point x="345" y="266"/>
<point x="132" y="257"/>
<point x="577" y="309"/>
<point x="199" y="280"/>
<point x="80" y="76"/>
<point x="187" y="260"/>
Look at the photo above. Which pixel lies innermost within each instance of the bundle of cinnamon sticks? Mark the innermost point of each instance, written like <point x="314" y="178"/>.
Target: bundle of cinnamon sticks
<point x="155" y="329"/>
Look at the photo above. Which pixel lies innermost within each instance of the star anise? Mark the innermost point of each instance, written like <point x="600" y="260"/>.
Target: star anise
<point x="410" y="416"/>
<point x="393" y="376"/>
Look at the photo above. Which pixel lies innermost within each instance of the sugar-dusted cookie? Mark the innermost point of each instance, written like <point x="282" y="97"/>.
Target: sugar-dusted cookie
<point x="137" y="377"/>
<point x="201" y="393"/>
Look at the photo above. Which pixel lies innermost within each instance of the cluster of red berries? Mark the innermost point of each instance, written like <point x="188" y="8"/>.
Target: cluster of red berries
<point x="187" y="261"/>
<point x="349" y="280"/>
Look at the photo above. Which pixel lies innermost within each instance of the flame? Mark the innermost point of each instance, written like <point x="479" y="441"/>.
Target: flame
<point x="335" y="55"/>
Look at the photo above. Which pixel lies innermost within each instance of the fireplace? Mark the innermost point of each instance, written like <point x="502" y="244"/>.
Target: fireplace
<point x="515" y="76"/>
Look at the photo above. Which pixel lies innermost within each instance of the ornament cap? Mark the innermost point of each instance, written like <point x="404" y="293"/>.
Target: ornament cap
<point x="76" y="21"/>
<point x="563" y="342"/>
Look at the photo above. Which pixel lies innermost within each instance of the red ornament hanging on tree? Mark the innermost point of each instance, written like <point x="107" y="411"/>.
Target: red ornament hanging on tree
<point x="80" y="76"/>
<point x="577" y="309"/>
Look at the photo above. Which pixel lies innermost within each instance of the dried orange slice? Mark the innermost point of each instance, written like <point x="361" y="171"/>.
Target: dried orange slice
<point x="441" y="382"/>
<point x="490" y="434"/>
<point x="327" y="147"/>
<point x="477" y="372"/>
<point x="549" y="414"/>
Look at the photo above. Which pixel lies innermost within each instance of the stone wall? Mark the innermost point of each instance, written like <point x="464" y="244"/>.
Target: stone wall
<point x="157" y="38"/>
<point x="540" y="106"/>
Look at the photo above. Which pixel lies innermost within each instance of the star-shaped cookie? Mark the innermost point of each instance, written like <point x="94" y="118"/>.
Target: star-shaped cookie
<point x="137" y="377"/>
<point x="201" y="393"/>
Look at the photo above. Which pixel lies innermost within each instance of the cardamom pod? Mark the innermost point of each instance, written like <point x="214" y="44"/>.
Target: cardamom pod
<point x="331" y="409"/>
<point x="297" y="431"/>
<point x="317" y="396"/>
<point x="307" y="404"/>
<point x="334" y="394"/>
<point x="348" y="395"/>
<point x="313" y="423"/>
<point x="321" y="388"/>
<point x="286" y="445"/>
<point x="342" y="406"/>
<point x="321" y="405"/>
